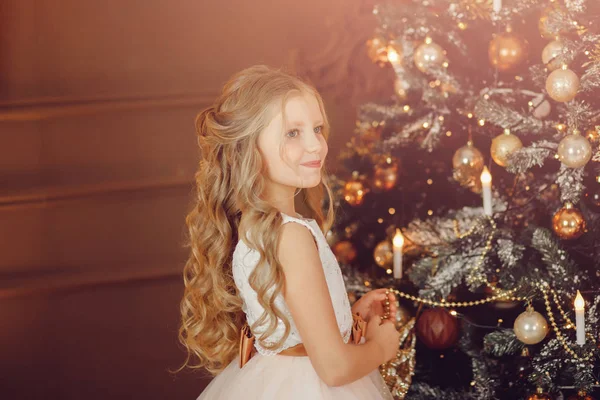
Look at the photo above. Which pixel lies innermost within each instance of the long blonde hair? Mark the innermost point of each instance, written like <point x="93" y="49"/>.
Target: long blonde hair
<point x="229" y="181"/>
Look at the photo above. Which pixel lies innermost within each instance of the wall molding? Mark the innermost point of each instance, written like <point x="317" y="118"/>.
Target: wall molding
<point x="41" y="109"/>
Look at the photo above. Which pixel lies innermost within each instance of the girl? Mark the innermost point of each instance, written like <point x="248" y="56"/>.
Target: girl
<point x="255" y="259"/>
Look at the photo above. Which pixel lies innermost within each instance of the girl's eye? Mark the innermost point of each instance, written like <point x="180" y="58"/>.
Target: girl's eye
<point x="293" y="133"/>
<point x="318" y="129"/>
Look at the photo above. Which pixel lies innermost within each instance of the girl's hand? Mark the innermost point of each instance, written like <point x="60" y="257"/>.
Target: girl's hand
<point x="373" y="303"/>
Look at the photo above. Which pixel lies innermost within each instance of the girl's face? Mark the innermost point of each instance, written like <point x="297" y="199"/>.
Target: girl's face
<point x="294" y="149"/>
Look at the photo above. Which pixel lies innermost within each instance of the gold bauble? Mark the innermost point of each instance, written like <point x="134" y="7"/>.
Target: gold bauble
<point x="574" y="151"/>
<point x="562" y="85"/>
<point x="401" y="88"/>
<point x="402" y="315"/>
<point x="539" y="395"/>
<point x="507" y="51"/>
<point x="581" y="395"/>
<point x="530" y="326"/>
<point x="467" y="164"/>
<point x="385" y="175"/>
<point x="383" y="253"/>
<point x="344" y="251"/>
<point x="354" y="192"/>
<point x="550" y="53"/>
<point x="555" y="7"/>
<point x="429" y="55"/>
<point x="568" y="222"/>
<point x="503" y="146"/>
<point x="377" y="49"/>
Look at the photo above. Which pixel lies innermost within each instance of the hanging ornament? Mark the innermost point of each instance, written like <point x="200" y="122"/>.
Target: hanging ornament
<point x="581" y="395"/>
<point x="543" y="26"/>
<point x="467" y="164"/>
<point x="437" y="328"/>
<point x="530" y="326"/>
<point x="568" y="222"/>
<point x="354" y="191"/>
<point x="574" y="150"/>
<point x="429" y="55"/>
<point x="402" y="315"/>
<point x="562" y="84"/>
<point x="377" y="50"/>
<point x="401" y="88"/>
<point x="383" y="254"/>
<point x="540" y="107"/>
<point x="539" y="395"/>
<point x="344" y="251"/>
<point x="550" y="53"/>
<point x="385" y="174"/>
<point x="507" y="51"/>
<point x="503" y="146"/>
<point x="593" y="135"/>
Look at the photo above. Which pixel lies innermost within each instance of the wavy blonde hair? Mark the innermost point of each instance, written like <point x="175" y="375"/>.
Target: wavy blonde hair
<point x="230" y="178"/>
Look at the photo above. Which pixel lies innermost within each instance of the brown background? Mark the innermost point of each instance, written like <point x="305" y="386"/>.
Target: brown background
<point x="97" y="155"/>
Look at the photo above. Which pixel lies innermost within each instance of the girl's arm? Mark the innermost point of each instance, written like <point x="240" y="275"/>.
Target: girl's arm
<point x="309" y="302"/>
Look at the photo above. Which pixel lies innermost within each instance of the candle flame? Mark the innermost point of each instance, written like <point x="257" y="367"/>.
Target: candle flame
<point x="579" y="302"/>
<point x="486" y="177"/>
<point x="398" y="239"/>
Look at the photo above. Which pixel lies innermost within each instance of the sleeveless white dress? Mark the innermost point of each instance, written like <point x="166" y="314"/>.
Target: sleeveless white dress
<point x="269" y="376"/>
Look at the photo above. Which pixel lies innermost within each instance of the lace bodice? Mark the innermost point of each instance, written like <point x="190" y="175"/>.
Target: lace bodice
<point x="245" y="260"/>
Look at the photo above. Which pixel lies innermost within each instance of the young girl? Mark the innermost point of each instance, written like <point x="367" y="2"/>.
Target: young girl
<point x="255" y="259"/>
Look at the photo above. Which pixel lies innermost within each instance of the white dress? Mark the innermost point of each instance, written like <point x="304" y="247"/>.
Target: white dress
<point x="269" y="376"/>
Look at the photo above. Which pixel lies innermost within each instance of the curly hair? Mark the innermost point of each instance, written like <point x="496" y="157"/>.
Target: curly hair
<point x="229" y="180"/>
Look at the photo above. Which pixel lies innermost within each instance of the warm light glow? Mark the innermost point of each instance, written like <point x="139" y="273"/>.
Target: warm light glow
<point x="392" y="211"/>
<point x="388" y="271"/>
<point x="398" y="239"/>
<point x="453" y="313"/>
<point x="428" y="40"/>
<point x="486" y="177"/>
<point x="392" y="55"/>
<point x="579" y="302"/>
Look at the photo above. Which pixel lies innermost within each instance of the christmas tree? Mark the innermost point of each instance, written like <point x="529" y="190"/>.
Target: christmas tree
<point x="493" y="254"/>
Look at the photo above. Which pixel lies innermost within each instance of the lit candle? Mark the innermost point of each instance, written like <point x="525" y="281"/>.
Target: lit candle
<point x="486" y="183"/>
<point x="398" y="242"/>
<point x="580" y="318"/>
<point x="497" y="5"/>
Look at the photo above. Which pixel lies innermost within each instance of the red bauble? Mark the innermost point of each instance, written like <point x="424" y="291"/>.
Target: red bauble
<point x="437" y="328"/>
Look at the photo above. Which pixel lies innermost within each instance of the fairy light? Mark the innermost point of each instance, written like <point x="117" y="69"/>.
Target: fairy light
<point x="392" y="211"/>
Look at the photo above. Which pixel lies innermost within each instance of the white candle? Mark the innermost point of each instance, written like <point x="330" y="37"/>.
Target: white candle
<point x="580" y="318"/>
<point x="398" y="242"/>
<point x="486" y="185"/>
<point x="497" y="5"/>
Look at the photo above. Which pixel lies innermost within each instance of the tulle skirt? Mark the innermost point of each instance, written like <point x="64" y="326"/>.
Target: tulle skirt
<point x="287" y="377"/>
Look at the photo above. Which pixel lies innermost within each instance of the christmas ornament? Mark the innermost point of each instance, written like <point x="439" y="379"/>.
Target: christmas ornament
<point x="568" y="222"/>
<point x="429" y="55"/>
<point x="507" y="51"/>
<point x="530" y="326"/>
<point x="398" y="372"/>
<point x="574" y="150"/>
<point x="540" y="107"/>
<point x="593" y="135"/>
<point x="581" y="395"/>
<point x="401" y="88"/>
<point x="468" y="163"/>
<point x="543" y="27"/>
<point x="437" y="328"/>
<point x="550" y="53"/>
<point x="354" y="192"/>
<point x="402" y="315"/>
<point x="383" y="254"/>
<point x="539" y="395"/>
<point x="377" y="50"/>
<point x="503" y="146"/>
<point x="562" y="85"/>
<point x="385" y="174"/>
<point x="344" y="251"/>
